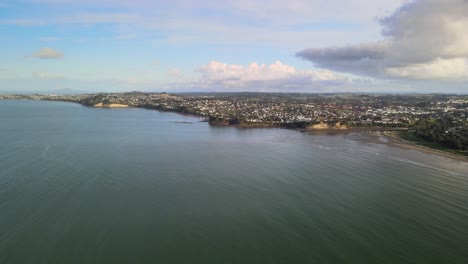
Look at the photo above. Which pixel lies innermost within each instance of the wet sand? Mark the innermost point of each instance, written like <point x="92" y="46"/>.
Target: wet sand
<point x="393" y="139"/>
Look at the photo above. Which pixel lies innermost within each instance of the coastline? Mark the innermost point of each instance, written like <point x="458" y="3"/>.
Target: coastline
<point x="390" y="134"/>
<point x="354" y="129"/>
<point x="394" y="140"/>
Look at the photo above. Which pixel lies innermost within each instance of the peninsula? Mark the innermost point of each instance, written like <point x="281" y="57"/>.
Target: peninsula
<point x="441" y="119"/>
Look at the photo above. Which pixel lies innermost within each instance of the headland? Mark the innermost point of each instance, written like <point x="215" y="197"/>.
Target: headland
<point x="440" y="119"/>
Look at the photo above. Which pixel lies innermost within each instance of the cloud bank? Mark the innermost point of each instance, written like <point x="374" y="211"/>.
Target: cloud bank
<point x="48" y="53"/>
<point x="423" y="39"/>
<point x="218" y="76"/>
<point x="254" y="72"/>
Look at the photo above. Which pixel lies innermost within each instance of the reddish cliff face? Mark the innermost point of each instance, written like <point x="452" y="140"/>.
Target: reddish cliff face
<point x="111" y="105"/>
<point x="324" y="125"/>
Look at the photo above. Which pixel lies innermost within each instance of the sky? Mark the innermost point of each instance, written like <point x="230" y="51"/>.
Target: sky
<point x="310" y="46"/>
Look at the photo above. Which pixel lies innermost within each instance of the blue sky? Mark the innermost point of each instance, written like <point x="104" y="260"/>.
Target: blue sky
<point x="244" y="45"/>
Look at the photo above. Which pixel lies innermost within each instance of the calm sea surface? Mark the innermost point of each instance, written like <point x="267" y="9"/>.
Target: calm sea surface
<point x="86" y="185"/>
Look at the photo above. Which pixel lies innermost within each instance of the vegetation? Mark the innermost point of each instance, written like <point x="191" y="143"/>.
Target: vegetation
<point x="435" y="120"/>
<point x="444" y="131"/>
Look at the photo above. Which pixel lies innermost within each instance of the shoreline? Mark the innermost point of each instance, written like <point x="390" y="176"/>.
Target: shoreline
<point x="395" y="140"/>
<point x="388" y="133"/>
<point x="354" y="129"/>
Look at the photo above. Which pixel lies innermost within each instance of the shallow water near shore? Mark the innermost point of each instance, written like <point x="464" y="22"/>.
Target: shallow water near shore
<point x="89" y="185"/>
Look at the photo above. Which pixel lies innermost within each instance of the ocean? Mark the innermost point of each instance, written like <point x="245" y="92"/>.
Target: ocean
<point x="89" y="185"/>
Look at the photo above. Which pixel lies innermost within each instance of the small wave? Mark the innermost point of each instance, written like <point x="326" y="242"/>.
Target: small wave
<point x="328" y="148"/>
<point x="408" y="161"/>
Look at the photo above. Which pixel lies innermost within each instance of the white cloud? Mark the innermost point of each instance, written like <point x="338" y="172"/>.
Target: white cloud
<point x="424" y="39"/>
<point x="438" y="69"/>
<point x="276" y="77"/>
<point x="48" y="53"/>
<point x="254" y="72"/>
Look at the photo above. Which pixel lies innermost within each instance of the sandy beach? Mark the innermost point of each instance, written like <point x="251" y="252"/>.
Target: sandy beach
<point x="392" y="139"/>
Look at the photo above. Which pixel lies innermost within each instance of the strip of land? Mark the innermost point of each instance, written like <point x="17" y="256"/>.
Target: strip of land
<point x="396" y="139"/>
<point x="441" y="120"/>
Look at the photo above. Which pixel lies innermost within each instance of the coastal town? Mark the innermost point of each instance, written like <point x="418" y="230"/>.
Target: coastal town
<point x="302" y="111"/>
